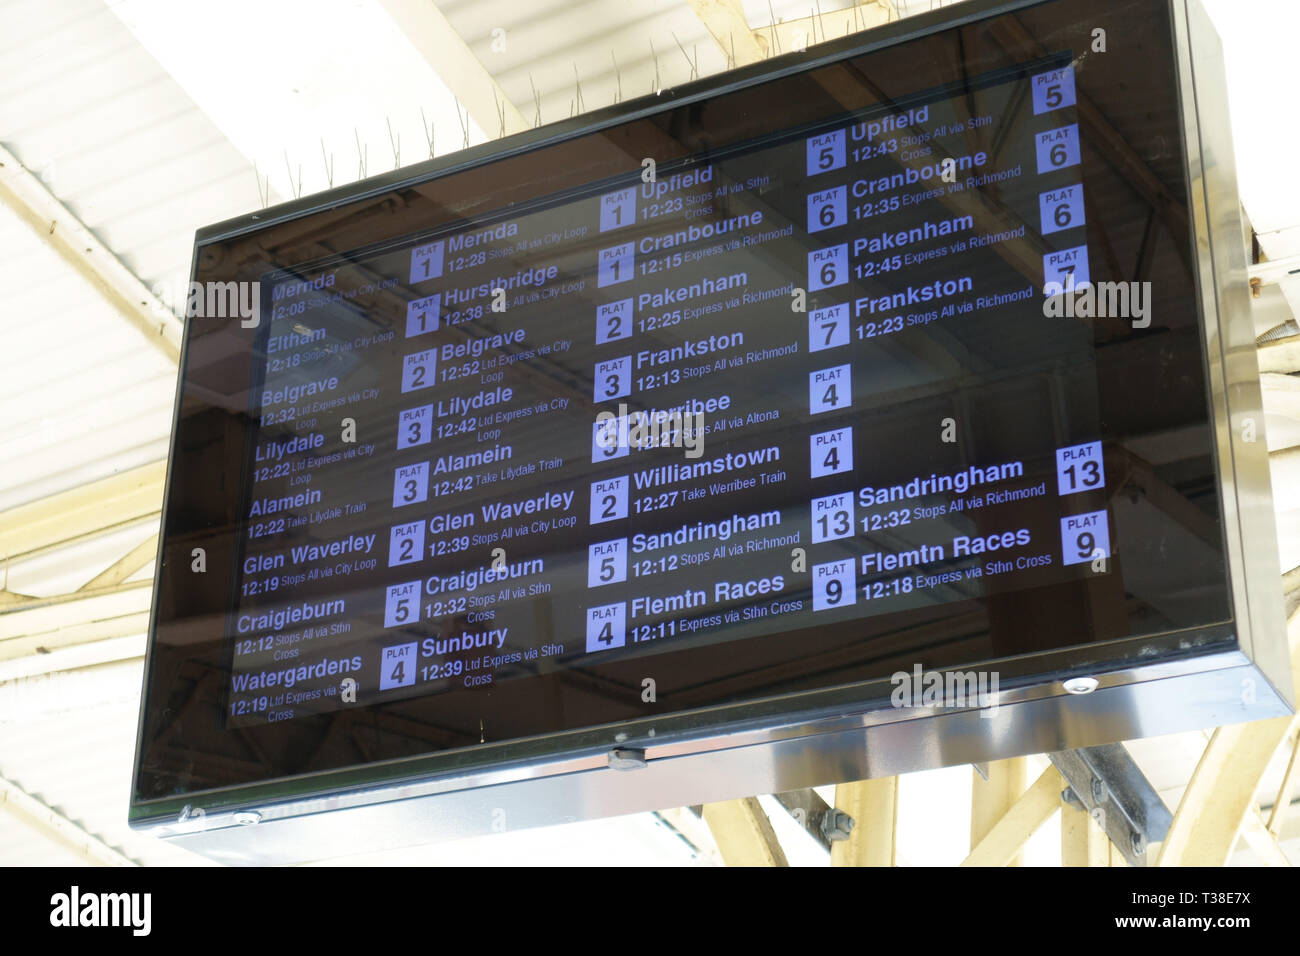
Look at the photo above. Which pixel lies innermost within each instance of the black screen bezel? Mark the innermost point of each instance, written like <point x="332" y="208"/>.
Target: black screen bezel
<point x="170" y="661"/>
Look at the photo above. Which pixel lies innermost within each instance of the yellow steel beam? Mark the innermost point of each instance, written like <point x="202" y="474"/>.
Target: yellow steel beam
<point x="8" y="597"/>
<point x="121" y="569"/>
<point x="725" y="20"/>
<point x="743" y="833"/>
<point x="148" y="522"/>
<point x="1261" y="841"/>
<point x="1281" y="355"/>
<point x="1282" y="801"/>
<point x="42" y="624"/>
<point x="992" y="798"/>
<point x="1281" y="394"/>
<point x="1221" y="793"/>
<point x="74" y="513"/>
<point x="1083" y="843"/>
<point x="873" y="805"/>
<point x="1034" y="808"/>
<point x="742" y="44"/>
<point x="818" y="28"/>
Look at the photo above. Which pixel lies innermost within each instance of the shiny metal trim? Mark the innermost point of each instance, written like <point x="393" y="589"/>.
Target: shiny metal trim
<point x="387" y="817"/>
<point x="1246" y="485"/>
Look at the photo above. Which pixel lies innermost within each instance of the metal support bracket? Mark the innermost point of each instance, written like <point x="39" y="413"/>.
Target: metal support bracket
<point x="824" y="823"/>
<point x="1106" y="783"/>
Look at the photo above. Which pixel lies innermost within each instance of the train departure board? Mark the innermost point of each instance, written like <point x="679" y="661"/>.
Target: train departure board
<point x="709" y="409"/>
<point x="685" y="410"/>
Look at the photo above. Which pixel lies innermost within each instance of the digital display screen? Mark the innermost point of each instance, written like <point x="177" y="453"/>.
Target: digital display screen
<point x="664" y="414"/>
<point x="809" y="382"/>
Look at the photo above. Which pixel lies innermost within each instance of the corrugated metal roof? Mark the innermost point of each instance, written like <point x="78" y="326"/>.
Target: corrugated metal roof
<point x="81" y="395"/>
<point x="115" y="138"/>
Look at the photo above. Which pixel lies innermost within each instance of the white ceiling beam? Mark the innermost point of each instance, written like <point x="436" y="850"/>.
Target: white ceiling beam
<point x="56" y="226"/>
<point x="456" y="65"/>
<point x="74" y="635"/>
<point x="113" y="651"/>
<point x="57" y="827"/>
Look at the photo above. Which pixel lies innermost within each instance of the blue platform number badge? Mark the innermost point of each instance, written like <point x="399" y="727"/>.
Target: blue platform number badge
<point x="1057" y="148"/>
<point x="615" y="264"/>
<point x="831" y="452"/>
<point x="1080" y="468"/>
<point x="1085" y="537"/>
<point x="834" y="585"/>
<point x="426" y="262"/>
<point x="828" y="267"/>
<point x="617" y="209"/>
<point x="828" y="328"/>
<point x="422" y="315"/>
<point x="1060" y="209"/>
<point x="419" y="370"/>
<point x="397" y="666"/>
<point x="1065" y="270"/>
<point x="826" y="152"/>
<point x="828" y="209"/>
<point x="1053" y="90"/>
<point x="613" y="321"/>
<point x="606" y="627"/>
<point x="406" y="543"/>
<point x="609" y="499"/>
<point x="402" y="604"/>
